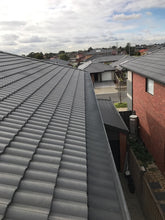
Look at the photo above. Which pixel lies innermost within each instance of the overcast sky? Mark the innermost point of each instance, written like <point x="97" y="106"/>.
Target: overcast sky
<point x="53" y="25"/>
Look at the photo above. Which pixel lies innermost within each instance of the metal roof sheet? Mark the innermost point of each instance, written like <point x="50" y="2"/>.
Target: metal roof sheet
<point x="111" y="116"/>
<point x="151" y="65"/>
<point x="50" y="146"/>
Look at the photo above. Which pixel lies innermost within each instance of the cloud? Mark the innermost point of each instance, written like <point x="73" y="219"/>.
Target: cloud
<point x="10" y="26"/>
<point x="53" y="25"/>
<point x="33" y="39"/>
<point x="148" y="13"/>
<point x="123" y="17"/>
<point x="9" y="39"/>
<point x="12" y="23"/>
<point x="141" y="4"/>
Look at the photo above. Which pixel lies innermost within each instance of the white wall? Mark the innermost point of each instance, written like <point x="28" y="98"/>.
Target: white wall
<point x="129" y="90"/>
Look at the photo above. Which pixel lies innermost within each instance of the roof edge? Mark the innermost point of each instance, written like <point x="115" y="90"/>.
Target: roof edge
<point x="122" y="201"/>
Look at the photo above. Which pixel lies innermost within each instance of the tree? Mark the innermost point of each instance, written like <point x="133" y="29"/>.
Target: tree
<point x="61" y="52"/>
<point x="130" y="50"/>
<point x="89" y="49"/>
<point x="127" y="48"/>
<point x="38" y="55"/>
<point x="114" y="47"/>
<point x="64" y="56"/>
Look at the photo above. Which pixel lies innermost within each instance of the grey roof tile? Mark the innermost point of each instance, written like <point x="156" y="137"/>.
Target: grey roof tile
<point x="19" y="212"/>
<point x="11" y="168"/>
<point x="74" y="184"/>
<point x="71" y="208"/>
<point x="150" y="66"/>
<point x="37" y="186"/>
<point x="48" y="163"/>
<point x="36" y="174"/>
<point x="110" y="58"/>
<point x="95" y="67"/>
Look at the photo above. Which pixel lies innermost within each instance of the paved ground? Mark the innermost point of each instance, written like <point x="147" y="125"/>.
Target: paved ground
<point x="108" y="90"/>
<point x="132" y="201"/>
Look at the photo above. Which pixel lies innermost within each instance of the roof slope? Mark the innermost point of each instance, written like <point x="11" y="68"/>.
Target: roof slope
<point x="111" y="116"/>
<point x="59" y="61"/>
<point x="111" y="58"/>
<point x="124" y="59"/>
<point x="49" y="149"/>
<point x="92" y="67"/>
<point x="151" y="65"/>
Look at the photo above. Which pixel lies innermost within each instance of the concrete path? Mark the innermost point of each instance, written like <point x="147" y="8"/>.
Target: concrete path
<point x="104" y="84"/>
<point x="133" y="205"/>
<point x="109" y="91"/>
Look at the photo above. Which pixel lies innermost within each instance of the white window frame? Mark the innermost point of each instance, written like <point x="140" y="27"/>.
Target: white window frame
<point x="150" y="86"/>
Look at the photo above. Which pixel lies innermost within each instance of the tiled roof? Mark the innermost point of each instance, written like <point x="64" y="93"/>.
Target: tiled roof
<point x="92" y="67"/>
<point x="151" y="65"/>
<point x="111" y="116"/>
<point x="111" y="58"/>
<point x="59" y="61"/>
<point x="55" y="161"/>
<point x="124" y="59"/>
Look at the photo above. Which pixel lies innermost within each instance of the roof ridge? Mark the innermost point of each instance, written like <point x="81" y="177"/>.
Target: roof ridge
<point x="37" y="60"/>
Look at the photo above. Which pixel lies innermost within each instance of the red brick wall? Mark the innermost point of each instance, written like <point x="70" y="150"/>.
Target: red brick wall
<point x="151" y="112"/>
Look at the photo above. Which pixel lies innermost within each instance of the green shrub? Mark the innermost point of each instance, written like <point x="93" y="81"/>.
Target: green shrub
<point x="140" y="152"/>
<point x="120" y="105"/>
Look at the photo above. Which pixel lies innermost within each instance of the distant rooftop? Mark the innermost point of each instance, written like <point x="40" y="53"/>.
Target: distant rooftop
<point x="100" y="51"/>
<point x="59" y="61"/>
<point x="124" y="59"/>
<point x="111" y="58"/>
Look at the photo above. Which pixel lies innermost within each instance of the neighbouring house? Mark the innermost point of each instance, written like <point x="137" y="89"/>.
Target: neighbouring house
<point x="117" y="64"/>
<point x="55" y="160"/>
<point x="102" y="51"/>
<point x="120" y="72"/>
<point x="143" y="51"/>
<point x="146" y="96"/>
<point x="80" y="57"/>
<point x="99" y="72"/>
<point x="117" y="131"/>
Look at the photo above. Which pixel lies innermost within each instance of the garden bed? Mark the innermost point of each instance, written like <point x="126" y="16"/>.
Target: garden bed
<point x="149" y="182"/>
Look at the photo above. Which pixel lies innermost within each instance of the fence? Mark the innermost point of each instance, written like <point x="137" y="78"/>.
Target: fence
<point x="125" y="116"/>
<point x="148" y="202"/>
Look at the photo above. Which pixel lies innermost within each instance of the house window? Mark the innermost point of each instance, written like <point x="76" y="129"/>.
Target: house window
<point x="150" y="86"/>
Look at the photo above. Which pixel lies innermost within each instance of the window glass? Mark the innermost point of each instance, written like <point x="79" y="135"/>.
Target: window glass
<point x="150" y="86"/>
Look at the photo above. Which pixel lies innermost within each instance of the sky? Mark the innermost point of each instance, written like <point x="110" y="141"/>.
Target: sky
<point x="53" y="25"/>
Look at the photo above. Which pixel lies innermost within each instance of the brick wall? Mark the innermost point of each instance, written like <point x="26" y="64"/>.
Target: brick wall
<point x="151" y="112"/>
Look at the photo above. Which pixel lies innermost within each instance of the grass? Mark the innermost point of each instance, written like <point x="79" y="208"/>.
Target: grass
<point x="120" y="105"/>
